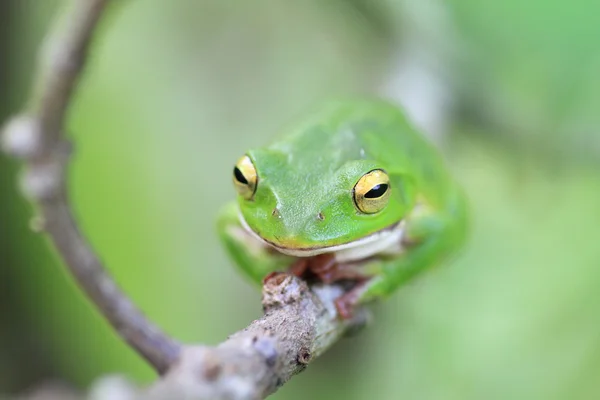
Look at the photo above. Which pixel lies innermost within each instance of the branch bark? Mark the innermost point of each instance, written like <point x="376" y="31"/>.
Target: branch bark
<point x="299" y="324"/>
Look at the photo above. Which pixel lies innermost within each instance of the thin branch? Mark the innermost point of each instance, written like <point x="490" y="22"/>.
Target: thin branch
<point x="62" y="61"/>
<point x="38" y="137"/>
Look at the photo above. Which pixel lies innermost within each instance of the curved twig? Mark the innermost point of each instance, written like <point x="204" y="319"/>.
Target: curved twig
<point x="38" y="137"/>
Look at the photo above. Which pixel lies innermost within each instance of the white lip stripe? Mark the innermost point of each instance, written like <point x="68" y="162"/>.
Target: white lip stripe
<point x="356" y="250"/>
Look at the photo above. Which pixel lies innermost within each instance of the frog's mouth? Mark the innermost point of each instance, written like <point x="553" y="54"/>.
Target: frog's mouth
<point x="385" y="241"/>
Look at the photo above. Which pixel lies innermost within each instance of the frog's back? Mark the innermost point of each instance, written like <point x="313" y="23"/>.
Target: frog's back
<point x="368" y="129"/>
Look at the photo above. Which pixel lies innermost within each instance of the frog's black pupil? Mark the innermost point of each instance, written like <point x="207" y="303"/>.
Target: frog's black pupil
<point x="377" y="191"/>
<point x="239" y="176"/>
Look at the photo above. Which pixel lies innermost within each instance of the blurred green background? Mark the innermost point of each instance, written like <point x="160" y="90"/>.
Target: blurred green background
<point x="177" y="90"/>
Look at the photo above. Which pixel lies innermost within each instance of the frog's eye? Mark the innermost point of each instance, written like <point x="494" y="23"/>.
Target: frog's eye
<point x="245" y="177"/>
<point x="372" y="191"/>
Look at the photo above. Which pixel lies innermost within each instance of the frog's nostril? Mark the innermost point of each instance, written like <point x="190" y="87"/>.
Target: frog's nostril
<point x="320" y="216"/>
<point x="275" y="213"/>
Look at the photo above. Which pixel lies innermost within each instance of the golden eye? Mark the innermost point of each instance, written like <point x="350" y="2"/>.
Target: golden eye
<point x="372" y="191"/>
<point x="245" y="177"/>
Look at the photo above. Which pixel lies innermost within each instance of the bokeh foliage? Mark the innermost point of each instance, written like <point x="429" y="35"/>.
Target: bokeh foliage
<point x="176" y="91"/>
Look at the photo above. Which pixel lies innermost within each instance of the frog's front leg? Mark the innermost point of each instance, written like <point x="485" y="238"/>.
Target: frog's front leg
<point x="254" y="258"/>
<point x="430" y="237"/>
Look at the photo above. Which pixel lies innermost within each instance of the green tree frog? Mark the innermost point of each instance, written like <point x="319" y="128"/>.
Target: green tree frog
<point x="352" y="193"/>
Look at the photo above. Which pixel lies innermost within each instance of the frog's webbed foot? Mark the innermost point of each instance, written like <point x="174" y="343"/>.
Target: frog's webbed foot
<point x="299" y="267"/>
<point x="324" y="268"/>
<point x="347" y="303"/>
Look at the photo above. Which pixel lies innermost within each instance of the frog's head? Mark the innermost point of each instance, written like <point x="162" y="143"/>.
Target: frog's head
<point x="305" y="206"/>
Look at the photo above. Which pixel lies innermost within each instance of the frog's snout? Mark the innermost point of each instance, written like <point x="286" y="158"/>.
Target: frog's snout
<point x="276" y="214"/>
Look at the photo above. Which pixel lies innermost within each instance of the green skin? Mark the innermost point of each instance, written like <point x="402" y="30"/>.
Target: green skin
<point x="308" y="177"/>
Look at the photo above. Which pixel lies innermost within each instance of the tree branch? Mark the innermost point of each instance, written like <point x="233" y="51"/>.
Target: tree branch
<point x="299" y="324"/>
<point x="38" y="138"/>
